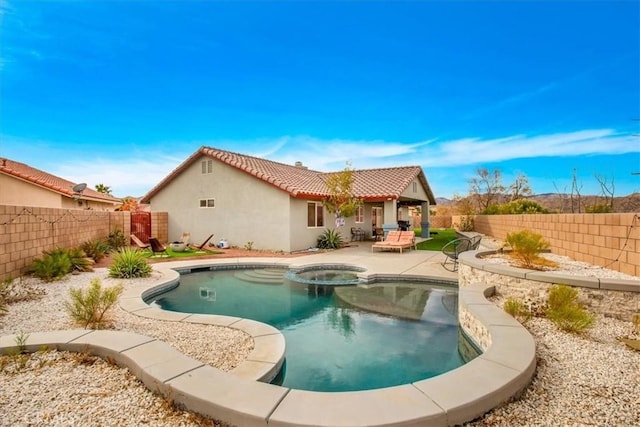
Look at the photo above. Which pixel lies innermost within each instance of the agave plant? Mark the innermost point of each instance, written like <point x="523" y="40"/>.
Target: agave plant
<point x="129" y="263"/>
<point x="330" y="239"/>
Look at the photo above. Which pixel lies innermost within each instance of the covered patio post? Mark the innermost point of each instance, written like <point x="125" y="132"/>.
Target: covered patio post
<point x="424" y="220"/>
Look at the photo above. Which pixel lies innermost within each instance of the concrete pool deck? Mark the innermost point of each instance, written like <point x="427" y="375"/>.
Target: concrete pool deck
<point x="502" y="371"/>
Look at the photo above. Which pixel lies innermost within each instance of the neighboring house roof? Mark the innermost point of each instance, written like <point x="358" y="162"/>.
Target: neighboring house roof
<point x="300" y="182"/>
<point x="53" y="183"/>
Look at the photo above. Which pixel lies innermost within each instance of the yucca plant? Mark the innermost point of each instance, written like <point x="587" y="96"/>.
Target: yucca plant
<point x="330" y="239"/>
<point x="129" y="263"/>
<point x="90" y="306"/>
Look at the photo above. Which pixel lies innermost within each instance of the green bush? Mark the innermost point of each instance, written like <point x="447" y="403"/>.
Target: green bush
<point x="52" y="266"/>
<point x="526" y="247"/>
<point x="95" y="249"/>
<point x="516" y="207"/>
<point x="129" y="263"/>
<point x="517" y="309"/>
<point x="564" y="310"/>
<point x="598" y="208"/>
<point x="90" y="306"/>
<point x="116" y="240"/>
<point x="330" y="239"/>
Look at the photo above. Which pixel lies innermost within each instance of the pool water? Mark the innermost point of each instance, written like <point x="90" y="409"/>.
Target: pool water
<point x="342" y="338"/>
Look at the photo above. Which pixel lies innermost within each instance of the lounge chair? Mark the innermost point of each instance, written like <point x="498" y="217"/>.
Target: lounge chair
<point x="453" y="249"/>
<point x="201" y="247"/>
<point x="157" y="247"/>
<point x="139" y="243"/>
<point x="397" y="240"/>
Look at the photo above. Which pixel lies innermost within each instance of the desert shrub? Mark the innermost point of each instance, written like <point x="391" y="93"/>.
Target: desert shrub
<point x="79" y="260"/>
<point x="516" y="207"/>
<point x="564" y="310"/>
<point x="636" y="322"/>
<point x="52" y="266"/>
<point x="116" y="240"/>
<point x="517" y="309"/>
<point x="95" y="249"/>
<point x="330" y="239"/>
<point x="598" y="208"/>
<point x="467" y="223"/>
<point x="89" y="307"/>
<point x="129" y="263"/>
<point x="526" y="247"/>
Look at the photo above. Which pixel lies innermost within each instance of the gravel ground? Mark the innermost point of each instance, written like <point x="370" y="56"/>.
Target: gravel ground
<point x="590" y="379"/>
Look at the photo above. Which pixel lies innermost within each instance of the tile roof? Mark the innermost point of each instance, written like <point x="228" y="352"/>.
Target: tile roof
<point x="50" y="182"/>
<point x="298" y="181"/>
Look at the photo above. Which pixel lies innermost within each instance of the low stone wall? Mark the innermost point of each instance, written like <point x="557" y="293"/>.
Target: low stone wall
<point x="615" y="298"/>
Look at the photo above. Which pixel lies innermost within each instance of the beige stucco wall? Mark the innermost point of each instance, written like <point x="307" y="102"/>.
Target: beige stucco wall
<point x="419" y="194"/>
<point x="20" y="193"/>
<point x="246" y="209"/>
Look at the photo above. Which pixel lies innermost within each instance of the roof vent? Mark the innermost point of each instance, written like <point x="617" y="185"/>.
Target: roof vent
<point x="300" y="165"/>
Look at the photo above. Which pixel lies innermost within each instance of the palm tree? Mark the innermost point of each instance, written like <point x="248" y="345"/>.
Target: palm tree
<point x="101" y="188"/>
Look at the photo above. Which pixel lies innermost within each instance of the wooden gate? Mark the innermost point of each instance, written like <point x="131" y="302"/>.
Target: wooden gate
<point x="141" y="225"/>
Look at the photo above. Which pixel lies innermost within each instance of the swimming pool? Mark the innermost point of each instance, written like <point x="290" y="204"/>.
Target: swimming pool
<point x="338" y="338"/>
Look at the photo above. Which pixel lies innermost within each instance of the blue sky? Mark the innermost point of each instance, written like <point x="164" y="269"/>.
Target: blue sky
<point x="121" y="92"/>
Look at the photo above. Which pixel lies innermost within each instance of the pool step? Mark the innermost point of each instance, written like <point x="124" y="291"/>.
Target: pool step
<point x="266" y="276"/>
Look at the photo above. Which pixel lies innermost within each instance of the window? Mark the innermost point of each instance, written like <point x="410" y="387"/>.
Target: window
<point x="360" y="214"/>
<point x="207" y="166"/>
<point x="207" y="203"/>
<point x="315" y="213"/>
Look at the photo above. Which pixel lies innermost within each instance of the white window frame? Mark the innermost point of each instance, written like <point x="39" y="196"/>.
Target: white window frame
<point x="318" y="207"/>
<point x="360" y="214"/>
<point x="207" y="203"/>
<point x="207" y="167"/>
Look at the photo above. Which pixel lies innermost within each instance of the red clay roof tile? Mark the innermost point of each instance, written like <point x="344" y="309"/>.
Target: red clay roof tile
<point x="49" y="181"/>
<point x="369" y="184"/>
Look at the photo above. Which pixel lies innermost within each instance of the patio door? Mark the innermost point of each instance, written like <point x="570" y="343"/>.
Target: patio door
<point x="376" y="217"/>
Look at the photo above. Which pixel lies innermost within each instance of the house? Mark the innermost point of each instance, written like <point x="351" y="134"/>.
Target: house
<point x="270" y="205"/>
<point x="23" y="185"/>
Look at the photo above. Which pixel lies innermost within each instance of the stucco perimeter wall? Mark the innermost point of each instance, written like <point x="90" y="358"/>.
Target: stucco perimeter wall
<point x="619" y="299"/>
<point x="25" y="232"/>
<point x="607" y="240"/>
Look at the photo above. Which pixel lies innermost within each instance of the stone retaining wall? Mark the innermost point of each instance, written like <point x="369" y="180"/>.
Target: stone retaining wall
<point x="619" y="299"/>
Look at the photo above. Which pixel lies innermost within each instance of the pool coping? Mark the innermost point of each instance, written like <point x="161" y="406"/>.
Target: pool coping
<point x="501" y="372"/>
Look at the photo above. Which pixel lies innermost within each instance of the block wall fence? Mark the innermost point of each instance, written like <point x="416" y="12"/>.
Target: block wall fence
<point x="608" y="240"/>
<point x="25" y="232"/>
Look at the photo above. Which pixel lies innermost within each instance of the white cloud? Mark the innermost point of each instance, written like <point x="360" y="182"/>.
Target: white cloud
<point x="130" y="177"/>
<point x="477" y="150"/>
